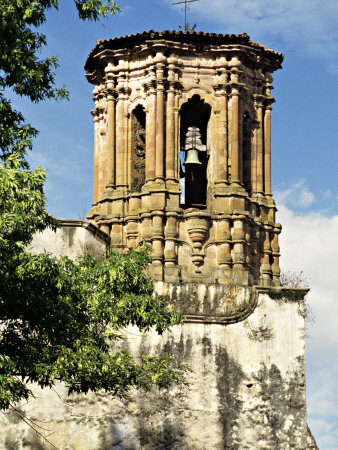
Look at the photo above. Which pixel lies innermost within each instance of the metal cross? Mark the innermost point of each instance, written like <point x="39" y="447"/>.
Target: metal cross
<point x="186" y="8"/>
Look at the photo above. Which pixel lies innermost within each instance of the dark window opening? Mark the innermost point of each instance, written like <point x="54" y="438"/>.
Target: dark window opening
<point x="195" y="115"/>
<point x="138" y="151"/>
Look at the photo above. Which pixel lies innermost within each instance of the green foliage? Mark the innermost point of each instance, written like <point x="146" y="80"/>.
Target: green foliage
<point x="61" y="319"/>
<point x="22" y="206"/>
<point x="21" y="68"/>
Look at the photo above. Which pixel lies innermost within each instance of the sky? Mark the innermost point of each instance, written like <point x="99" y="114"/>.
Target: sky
<point x="304" y="144"/>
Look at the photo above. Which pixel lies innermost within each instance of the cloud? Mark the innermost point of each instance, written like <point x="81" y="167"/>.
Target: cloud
<point x="298" y="195"/>
<point x="326" y="432"/>
<point x="309" y="243"/>
<point x="309" y="24"/>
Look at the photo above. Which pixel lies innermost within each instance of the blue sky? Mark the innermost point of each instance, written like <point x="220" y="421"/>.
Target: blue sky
<point x="304" y="144"/>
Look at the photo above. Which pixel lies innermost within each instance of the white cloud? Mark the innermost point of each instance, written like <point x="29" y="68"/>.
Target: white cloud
<point x="309" y="242"/>
<point x="298" y="195"/>
<point x="310" y="24"/>
<point x="327" y="433"/>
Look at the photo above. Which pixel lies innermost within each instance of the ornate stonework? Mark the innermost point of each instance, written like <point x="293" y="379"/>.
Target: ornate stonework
<point x="150" y="90"/>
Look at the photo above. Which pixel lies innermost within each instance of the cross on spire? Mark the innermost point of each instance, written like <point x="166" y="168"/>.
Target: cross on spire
<point x="186" y="8"/>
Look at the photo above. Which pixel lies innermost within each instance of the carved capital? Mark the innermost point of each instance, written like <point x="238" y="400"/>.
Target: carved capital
<point x="150" y="86"/>
<point x="236" y="88"/>
<point x="110" y="94"/>
<point x="220" y="88"/>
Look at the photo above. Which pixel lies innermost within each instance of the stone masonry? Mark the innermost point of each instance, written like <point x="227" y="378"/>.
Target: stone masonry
<point x="149" y="89"/>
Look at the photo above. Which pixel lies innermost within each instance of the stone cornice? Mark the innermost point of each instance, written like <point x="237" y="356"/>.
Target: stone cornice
<point x="180" y="43"/>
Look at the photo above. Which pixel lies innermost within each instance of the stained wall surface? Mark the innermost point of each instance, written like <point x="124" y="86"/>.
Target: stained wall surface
<point x="246" y="391"/>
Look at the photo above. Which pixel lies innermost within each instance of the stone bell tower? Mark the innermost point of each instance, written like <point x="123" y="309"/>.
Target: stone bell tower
<point x="183" y="154"/>
<point x="182" y="162"/>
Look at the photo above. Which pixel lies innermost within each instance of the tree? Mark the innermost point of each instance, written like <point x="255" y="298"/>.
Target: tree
<point x="22" y="71"/>
<point x="299" y="280"/>
<point x="61" y="319"/>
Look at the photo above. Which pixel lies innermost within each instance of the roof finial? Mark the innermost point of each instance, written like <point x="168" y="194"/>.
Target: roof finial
<point x="186" y="8"/>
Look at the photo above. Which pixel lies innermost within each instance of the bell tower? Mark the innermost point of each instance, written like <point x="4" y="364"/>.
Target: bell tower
<point x="182" y="162"/>
<point x="183" y="154"/>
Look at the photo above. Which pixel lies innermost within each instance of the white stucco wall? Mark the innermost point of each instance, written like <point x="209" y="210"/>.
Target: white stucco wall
<point x="246" y="391"/>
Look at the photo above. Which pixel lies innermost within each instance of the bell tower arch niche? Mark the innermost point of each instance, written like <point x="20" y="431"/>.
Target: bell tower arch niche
<point x="195" y="115"/>
<point x="138" y="149"/>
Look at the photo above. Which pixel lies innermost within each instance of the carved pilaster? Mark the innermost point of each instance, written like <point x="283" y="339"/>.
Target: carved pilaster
<point x="275" y="253"/>
<point x="259" y="144"/>
<point x="224" y="239"/>
<point x="267" y="136"/>
<point x="222" y="131"/>
<point x="236" y="87"/>
<point x="160" y="79"/>
<point x="266" y="272"/>
<point x="121" y="133"/>
<point x="238" y="239"/>
<point x="171" y="235"/>
<point x="157" y="237"/>
<point x="150" y="87"/>
<point x="110" y="94"/>
<point x="170" y="128"/>
<point x="95" y="115"/>
<point x="132" y="230"/>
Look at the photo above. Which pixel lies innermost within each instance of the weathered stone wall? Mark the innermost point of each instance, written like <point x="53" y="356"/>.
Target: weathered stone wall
<point x="72" y="239"/>
<point x="247" y="389"/>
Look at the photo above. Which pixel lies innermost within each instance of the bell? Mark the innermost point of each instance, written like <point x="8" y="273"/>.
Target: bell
<point x="192" y="157"/>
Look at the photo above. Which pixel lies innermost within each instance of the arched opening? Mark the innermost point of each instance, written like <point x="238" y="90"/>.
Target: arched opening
<point x="195" y="114"/>
<point x="138" y="150"/>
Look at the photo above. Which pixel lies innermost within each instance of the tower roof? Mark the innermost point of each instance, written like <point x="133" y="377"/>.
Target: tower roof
<point x="200" y="38"/>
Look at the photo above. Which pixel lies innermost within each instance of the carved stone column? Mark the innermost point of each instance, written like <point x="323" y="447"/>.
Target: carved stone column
<point x="275" y="252"/>
<point x="177" y="132"/>
<point x="101" y="157"/>
<point x="238" y="237"/>
<point x="132" y="230"/>
<point x="222" y="132"/>
<point x="267" y="151"/>
<point x="170" y="129"/>
<point x="160" y="157"/>
<point x="265" y="257"/>
<point x="121" y="132"/>
<point x="235" y="109"/>
<point x="259" y="144"/>
<point x="170" y="253"/>
<point x="255" y="240"/>
<point x="95" y="115"/>
<point x="267" y="136"/>
<point x="150" y="130"/>
<point x="111" y="126"/>
<point x="224" y="238"/>
<point x="157" y="238"/>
